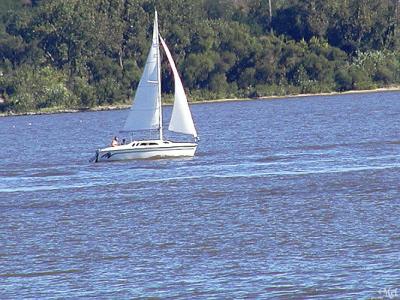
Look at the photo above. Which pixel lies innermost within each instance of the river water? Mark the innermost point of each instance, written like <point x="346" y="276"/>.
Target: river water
<point x="286" y="199"/>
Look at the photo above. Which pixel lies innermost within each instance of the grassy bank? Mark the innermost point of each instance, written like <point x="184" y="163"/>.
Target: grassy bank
<point x="169" y="101"/>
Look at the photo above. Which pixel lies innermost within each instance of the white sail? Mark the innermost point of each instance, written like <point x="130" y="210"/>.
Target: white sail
<point x="181" y="119"/>
<point x="146" y="108"/>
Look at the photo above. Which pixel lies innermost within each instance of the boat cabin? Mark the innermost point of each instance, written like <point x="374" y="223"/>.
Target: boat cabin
<point x="149" y="143"/>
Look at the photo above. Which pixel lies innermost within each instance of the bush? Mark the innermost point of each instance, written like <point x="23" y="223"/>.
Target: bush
<point x="360" y="79"/>
<point x="30" y="89"/>
<point x="383" y="75"/>
<point x="343" y="80"/>
<point x="84" y="92"/>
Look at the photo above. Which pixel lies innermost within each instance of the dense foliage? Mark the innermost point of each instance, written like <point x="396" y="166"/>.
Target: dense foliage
<point x="84" y="53"/>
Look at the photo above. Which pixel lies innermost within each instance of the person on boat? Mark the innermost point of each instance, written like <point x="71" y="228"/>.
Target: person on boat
<point x="114" y="142"/>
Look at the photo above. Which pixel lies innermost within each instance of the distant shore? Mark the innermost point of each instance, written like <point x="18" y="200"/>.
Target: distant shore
<point x="56" y="110"/>
<point x="377" y="90"/>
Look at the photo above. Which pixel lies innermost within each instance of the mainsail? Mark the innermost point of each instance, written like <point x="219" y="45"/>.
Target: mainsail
<point x="181" y="118"/>
<point x="146" y="108"/>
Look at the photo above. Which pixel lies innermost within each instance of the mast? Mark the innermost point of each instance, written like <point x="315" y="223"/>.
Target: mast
<point x="160" y="129"/>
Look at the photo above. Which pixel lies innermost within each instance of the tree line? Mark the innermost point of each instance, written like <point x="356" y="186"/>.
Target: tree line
<point x="85" y="53"/>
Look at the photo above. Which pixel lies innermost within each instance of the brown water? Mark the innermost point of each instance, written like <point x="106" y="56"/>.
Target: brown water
<point x="288" y="199"/>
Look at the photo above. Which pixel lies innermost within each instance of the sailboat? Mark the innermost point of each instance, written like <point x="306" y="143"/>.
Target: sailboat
<point x="146" y="114"/>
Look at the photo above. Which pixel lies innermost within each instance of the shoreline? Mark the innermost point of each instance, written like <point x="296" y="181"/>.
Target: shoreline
<point x="276" y="97"/>
<point x="126" y="106"/>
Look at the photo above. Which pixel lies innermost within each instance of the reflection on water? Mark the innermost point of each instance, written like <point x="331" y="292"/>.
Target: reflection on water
<point x="293" y="198"/>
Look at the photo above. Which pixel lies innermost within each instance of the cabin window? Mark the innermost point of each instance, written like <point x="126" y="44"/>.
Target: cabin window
<point x="153" y="144"/>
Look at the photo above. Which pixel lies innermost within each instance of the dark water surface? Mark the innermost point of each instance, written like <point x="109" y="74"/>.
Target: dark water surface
<point x="288" y="199"/>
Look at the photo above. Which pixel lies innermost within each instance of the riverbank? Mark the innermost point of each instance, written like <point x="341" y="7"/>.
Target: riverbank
<point x="56" y="110"/>
<point x="378" y="90"/>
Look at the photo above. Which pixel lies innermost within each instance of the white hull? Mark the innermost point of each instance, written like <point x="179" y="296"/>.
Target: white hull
<point x="146" y="150"/>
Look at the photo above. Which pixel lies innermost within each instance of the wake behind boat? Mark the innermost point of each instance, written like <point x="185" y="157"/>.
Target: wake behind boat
<point x="146" y="113"/>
